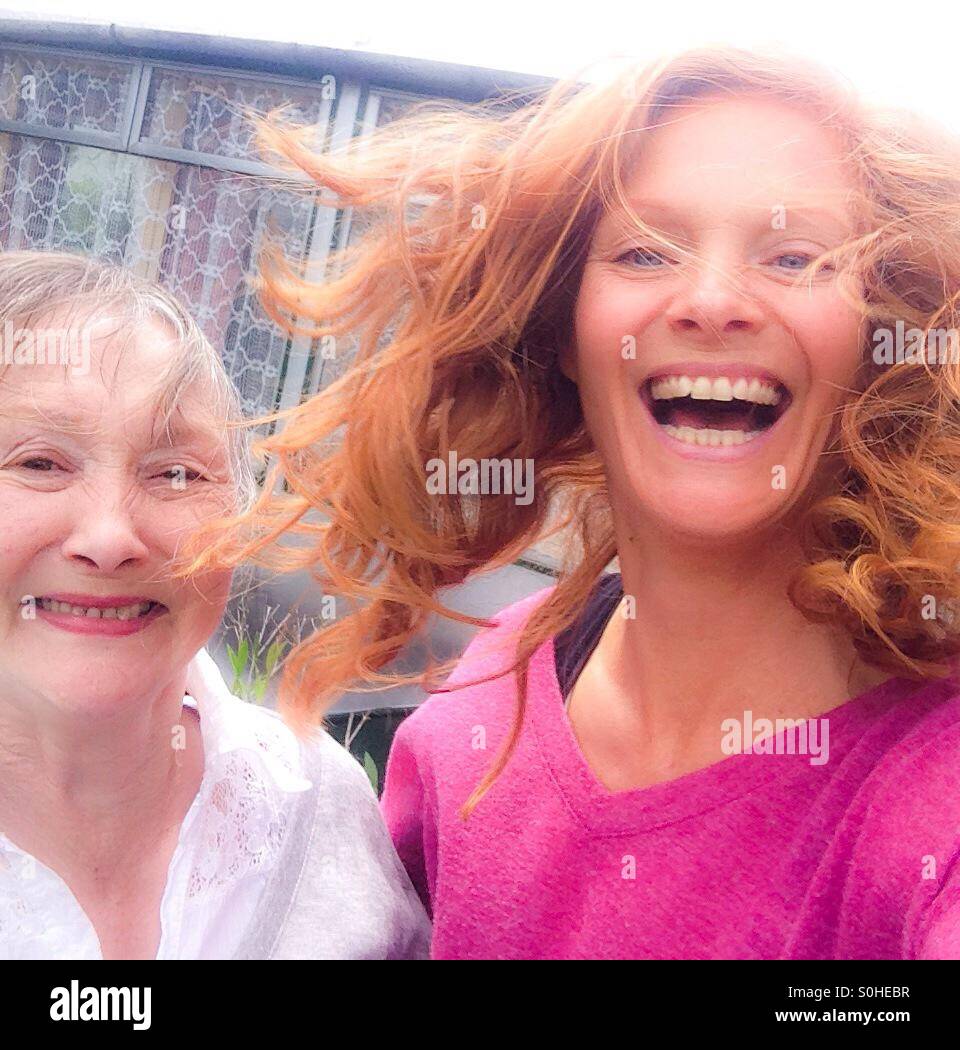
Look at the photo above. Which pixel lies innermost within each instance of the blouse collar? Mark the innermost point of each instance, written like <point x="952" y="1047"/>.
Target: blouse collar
<point x="229" y="724"/>
<point x="236" y="827"/>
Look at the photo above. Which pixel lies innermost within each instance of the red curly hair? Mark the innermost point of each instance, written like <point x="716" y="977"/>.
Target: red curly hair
<point x="478" y="222"/>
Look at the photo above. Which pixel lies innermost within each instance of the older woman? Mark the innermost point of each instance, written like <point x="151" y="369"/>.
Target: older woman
<point x="144" y="811"/>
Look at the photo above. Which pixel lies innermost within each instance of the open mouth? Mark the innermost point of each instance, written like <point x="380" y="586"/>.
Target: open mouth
<point x="136" y="611"/>
<point x="720" y="410"/>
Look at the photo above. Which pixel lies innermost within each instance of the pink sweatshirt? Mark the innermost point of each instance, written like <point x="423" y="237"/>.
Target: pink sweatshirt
<point x="758" y="856"/>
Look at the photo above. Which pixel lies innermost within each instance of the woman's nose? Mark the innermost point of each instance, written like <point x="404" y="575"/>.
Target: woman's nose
<point x="105" y="534"/>
<point x="714" y="301"/>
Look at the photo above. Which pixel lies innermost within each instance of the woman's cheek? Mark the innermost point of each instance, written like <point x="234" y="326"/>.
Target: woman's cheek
<point x="176" y="519"/>
<point x="829" y="332"/>
<point x="198" y="608"/>
<point x="610" y="331"/>
<point x="30" y="529"/>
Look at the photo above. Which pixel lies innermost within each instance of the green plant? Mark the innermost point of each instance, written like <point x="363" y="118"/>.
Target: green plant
<point x="255" y="655"/>
<point x="372" y="772"/>
<point x="250" y="682"/>
<point x="350" y="735"/>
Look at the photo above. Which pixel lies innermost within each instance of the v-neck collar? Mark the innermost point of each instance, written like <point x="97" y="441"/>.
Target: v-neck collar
<point x="604" y="812"/>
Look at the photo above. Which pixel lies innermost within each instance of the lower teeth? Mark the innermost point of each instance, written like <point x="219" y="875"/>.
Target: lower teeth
<point x="708" y="436"/>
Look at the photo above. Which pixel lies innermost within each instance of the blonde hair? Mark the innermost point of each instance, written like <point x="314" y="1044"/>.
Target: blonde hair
<point x="459" y="322"/>
<point x="36" y="284"/>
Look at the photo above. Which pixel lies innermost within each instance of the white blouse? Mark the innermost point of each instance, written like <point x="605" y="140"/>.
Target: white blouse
<point x="282" y="854"/>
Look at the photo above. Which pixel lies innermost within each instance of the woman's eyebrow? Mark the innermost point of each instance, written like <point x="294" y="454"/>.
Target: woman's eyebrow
<point x="788" y="214"/>
<point x="54" y="415"/>
<point x="58" y="417"/>
<point x="208" y="441"/>
<point x="180" y="430"/>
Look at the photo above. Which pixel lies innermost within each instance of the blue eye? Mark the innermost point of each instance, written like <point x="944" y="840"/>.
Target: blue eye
<point x="648" y="258"/>
<point x="796" y="255"/>
<point x="802" y="255"/>
<point x="649" y="253"/>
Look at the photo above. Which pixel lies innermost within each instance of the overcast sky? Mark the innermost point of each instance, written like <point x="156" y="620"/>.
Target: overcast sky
<point x="898" y="53"/>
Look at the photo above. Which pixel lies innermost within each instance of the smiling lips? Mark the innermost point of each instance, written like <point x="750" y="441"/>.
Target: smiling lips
<point x="89" y="614"/>
<point x="715" y="410"/>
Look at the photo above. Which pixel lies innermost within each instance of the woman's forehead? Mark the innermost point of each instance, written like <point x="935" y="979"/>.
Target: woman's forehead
<point x="109" y="343"/>
<point x="807" y="212"/>
<point x="134" y="398"/>
<point x="742" y="178"/>
<point x="146" y="422"/>
<point x="746" y="142"/>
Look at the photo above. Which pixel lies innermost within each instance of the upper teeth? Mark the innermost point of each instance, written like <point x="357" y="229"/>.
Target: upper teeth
<point x="720" y="389"/>
<point x="122" y="612"/>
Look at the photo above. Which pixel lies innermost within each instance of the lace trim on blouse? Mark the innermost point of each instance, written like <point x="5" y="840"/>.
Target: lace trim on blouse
<point x="236" y="827"/>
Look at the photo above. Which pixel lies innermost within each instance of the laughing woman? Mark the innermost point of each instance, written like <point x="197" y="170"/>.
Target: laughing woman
<point x="145" y="812"/>
<point x="674" y="293"/>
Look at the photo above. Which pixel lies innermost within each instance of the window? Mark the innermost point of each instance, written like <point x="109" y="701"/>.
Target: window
<point x="155" y="167"/>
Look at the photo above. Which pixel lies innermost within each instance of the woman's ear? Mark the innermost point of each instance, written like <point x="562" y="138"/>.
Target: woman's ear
<point x="567" y="362"/>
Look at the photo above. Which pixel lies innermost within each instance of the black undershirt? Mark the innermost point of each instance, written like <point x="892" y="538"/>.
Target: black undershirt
<point x="575" y="644"/>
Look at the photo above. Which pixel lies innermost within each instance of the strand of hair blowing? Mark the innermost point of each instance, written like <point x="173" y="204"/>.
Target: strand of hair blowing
<point x="460" y="294"/>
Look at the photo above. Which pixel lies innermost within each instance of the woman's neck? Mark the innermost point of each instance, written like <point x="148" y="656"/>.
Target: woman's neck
<point x="714" y="634"/>
<point x="86" y="790"/>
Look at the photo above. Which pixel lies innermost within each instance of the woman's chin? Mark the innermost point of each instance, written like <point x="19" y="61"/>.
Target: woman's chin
<point x="103" y="700"/>
<point x="717" y="517"/>
<point x="96" y="688"/>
